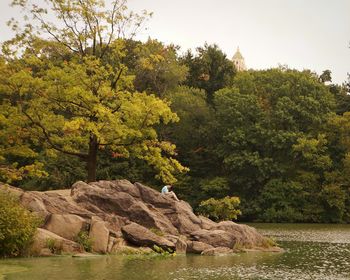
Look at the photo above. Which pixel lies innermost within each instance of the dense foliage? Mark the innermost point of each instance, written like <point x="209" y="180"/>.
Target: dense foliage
<point x="17" y="225"/>
<point x="220" y="209"/>
<point x="91" y="103"/>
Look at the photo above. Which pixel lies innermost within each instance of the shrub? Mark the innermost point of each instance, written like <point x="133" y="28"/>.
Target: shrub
<point x="84" y="240"/>
<point x="220" y="209"/>
<point x="55" y="246"/>
<point x="17" y="225"/>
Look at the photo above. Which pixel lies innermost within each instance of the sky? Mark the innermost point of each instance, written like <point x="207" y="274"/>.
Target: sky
<point x="302" y="34"/>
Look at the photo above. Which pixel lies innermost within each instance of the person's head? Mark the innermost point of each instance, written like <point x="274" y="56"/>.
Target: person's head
<point x="170" y="187"/>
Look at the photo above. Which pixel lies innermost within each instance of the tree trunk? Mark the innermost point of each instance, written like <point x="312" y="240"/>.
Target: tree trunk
<point x="92" y="159"/>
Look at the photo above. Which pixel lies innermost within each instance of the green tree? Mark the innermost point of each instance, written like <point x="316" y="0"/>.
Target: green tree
<point x="157" y="69"/>
<point x="326" y="76"/>
<point x="18" y="159"/>
<point x="86" y="103"/>
<point x="209" y="69"/>
<point x="272" y="126"/>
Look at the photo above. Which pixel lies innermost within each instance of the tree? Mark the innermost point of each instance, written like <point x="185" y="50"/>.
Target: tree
<point x="209" y="69"/>
<point x="18" y="159"/>
<point x="157" y="68"/>
<point x="84" y="101"/>
<point x="326" y="76"/>
<point x="272" y="128"/>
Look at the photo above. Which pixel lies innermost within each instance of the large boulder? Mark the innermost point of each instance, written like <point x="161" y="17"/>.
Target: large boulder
<point x="245" y="235"/>
<point x="99" y="235"/>
<point x="150" y="217"/>
<point x="66" y="225"/>
<point x="215" y="238"/>
<point x="141" y="236"/>
<point x="154" y="197"/>
<point x="34" y="202"/>
<point x="206" y="223"/>
<point x="45" y="240"/>
<point x="197" y="247"/>
<point x="182" y="217"/>
<point x="114" y="198"/>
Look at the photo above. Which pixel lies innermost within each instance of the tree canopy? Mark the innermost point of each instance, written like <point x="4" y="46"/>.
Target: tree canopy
<point x="75" y="100"/>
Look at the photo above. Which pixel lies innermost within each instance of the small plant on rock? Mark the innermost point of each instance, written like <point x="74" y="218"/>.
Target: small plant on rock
<point x="54" y="246"/>
<point x="84" y="240"/>
<point x="163" y="252"/>
<point x="156" y="231"/>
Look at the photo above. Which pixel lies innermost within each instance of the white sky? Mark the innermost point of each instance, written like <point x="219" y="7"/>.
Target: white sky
<point x="303" y="34"/>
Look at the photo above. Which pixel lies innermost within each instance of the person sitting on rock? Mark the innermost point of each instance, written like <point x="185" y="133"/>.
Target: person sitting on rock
<point x="167" y="190"/>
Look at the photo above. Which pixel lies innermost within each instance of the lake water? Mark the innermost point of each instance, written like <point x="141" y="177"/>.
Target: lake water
<point x="311" y="252"/>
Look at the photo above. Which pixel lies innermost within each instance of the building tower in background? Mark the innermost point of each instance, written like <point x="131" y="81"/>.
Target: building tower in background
<point x="238" y="61"/>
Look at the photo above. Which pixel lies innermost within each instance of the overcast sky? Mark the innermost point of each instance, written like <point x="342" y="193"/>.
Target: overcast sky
<point x="303" y="34"/>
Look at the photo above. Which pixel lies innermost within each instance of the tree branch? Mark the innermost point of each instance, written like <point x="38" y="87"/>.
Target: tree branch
<point x="48" y="139"/>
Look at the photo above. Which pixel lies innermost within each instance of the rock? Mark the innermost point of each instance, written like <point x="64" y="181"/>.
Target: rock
<point x="206" y="223"/>
<point x="246" y="236"/>
<point x="126" y="186"/>
<point x="180" y="242"/>
<point x="118" y="244"/>
<point x="216" y="238"/>
<point x="67" y="225"/>
<point x="182" y="217"/>
<point x="111" y="242"/>
<point x="35" y="204"/>
<point x="196" y="247"/>
<point x="218" y="251"/>
<point x="154" y="197"/>
<point x="103" y="198"/>
<point x="150" y="217"/>
<point x="181" y="245"/>
<point x="85" y="255"/>
<point x="141" y="236"/>
<point x="45" y="252"/>
<point x="44" y="239"/>
<point x="99" y="234"/>
<point x="130" y="250"/>
<point x="142" y="215"/>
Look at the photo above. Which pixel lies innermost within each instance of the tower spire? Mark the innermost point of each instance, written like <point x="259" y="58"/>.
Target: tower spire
<point x="238" y="61"/>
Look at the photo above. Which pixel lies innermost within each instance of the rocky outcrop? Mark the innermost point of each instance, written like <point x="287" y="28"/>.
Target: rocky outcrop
<point x="118" y="215"/>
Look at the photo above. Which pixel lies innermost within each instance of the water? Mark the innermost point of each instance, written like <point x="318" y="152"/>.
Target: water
<point x="311" y="252"/>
